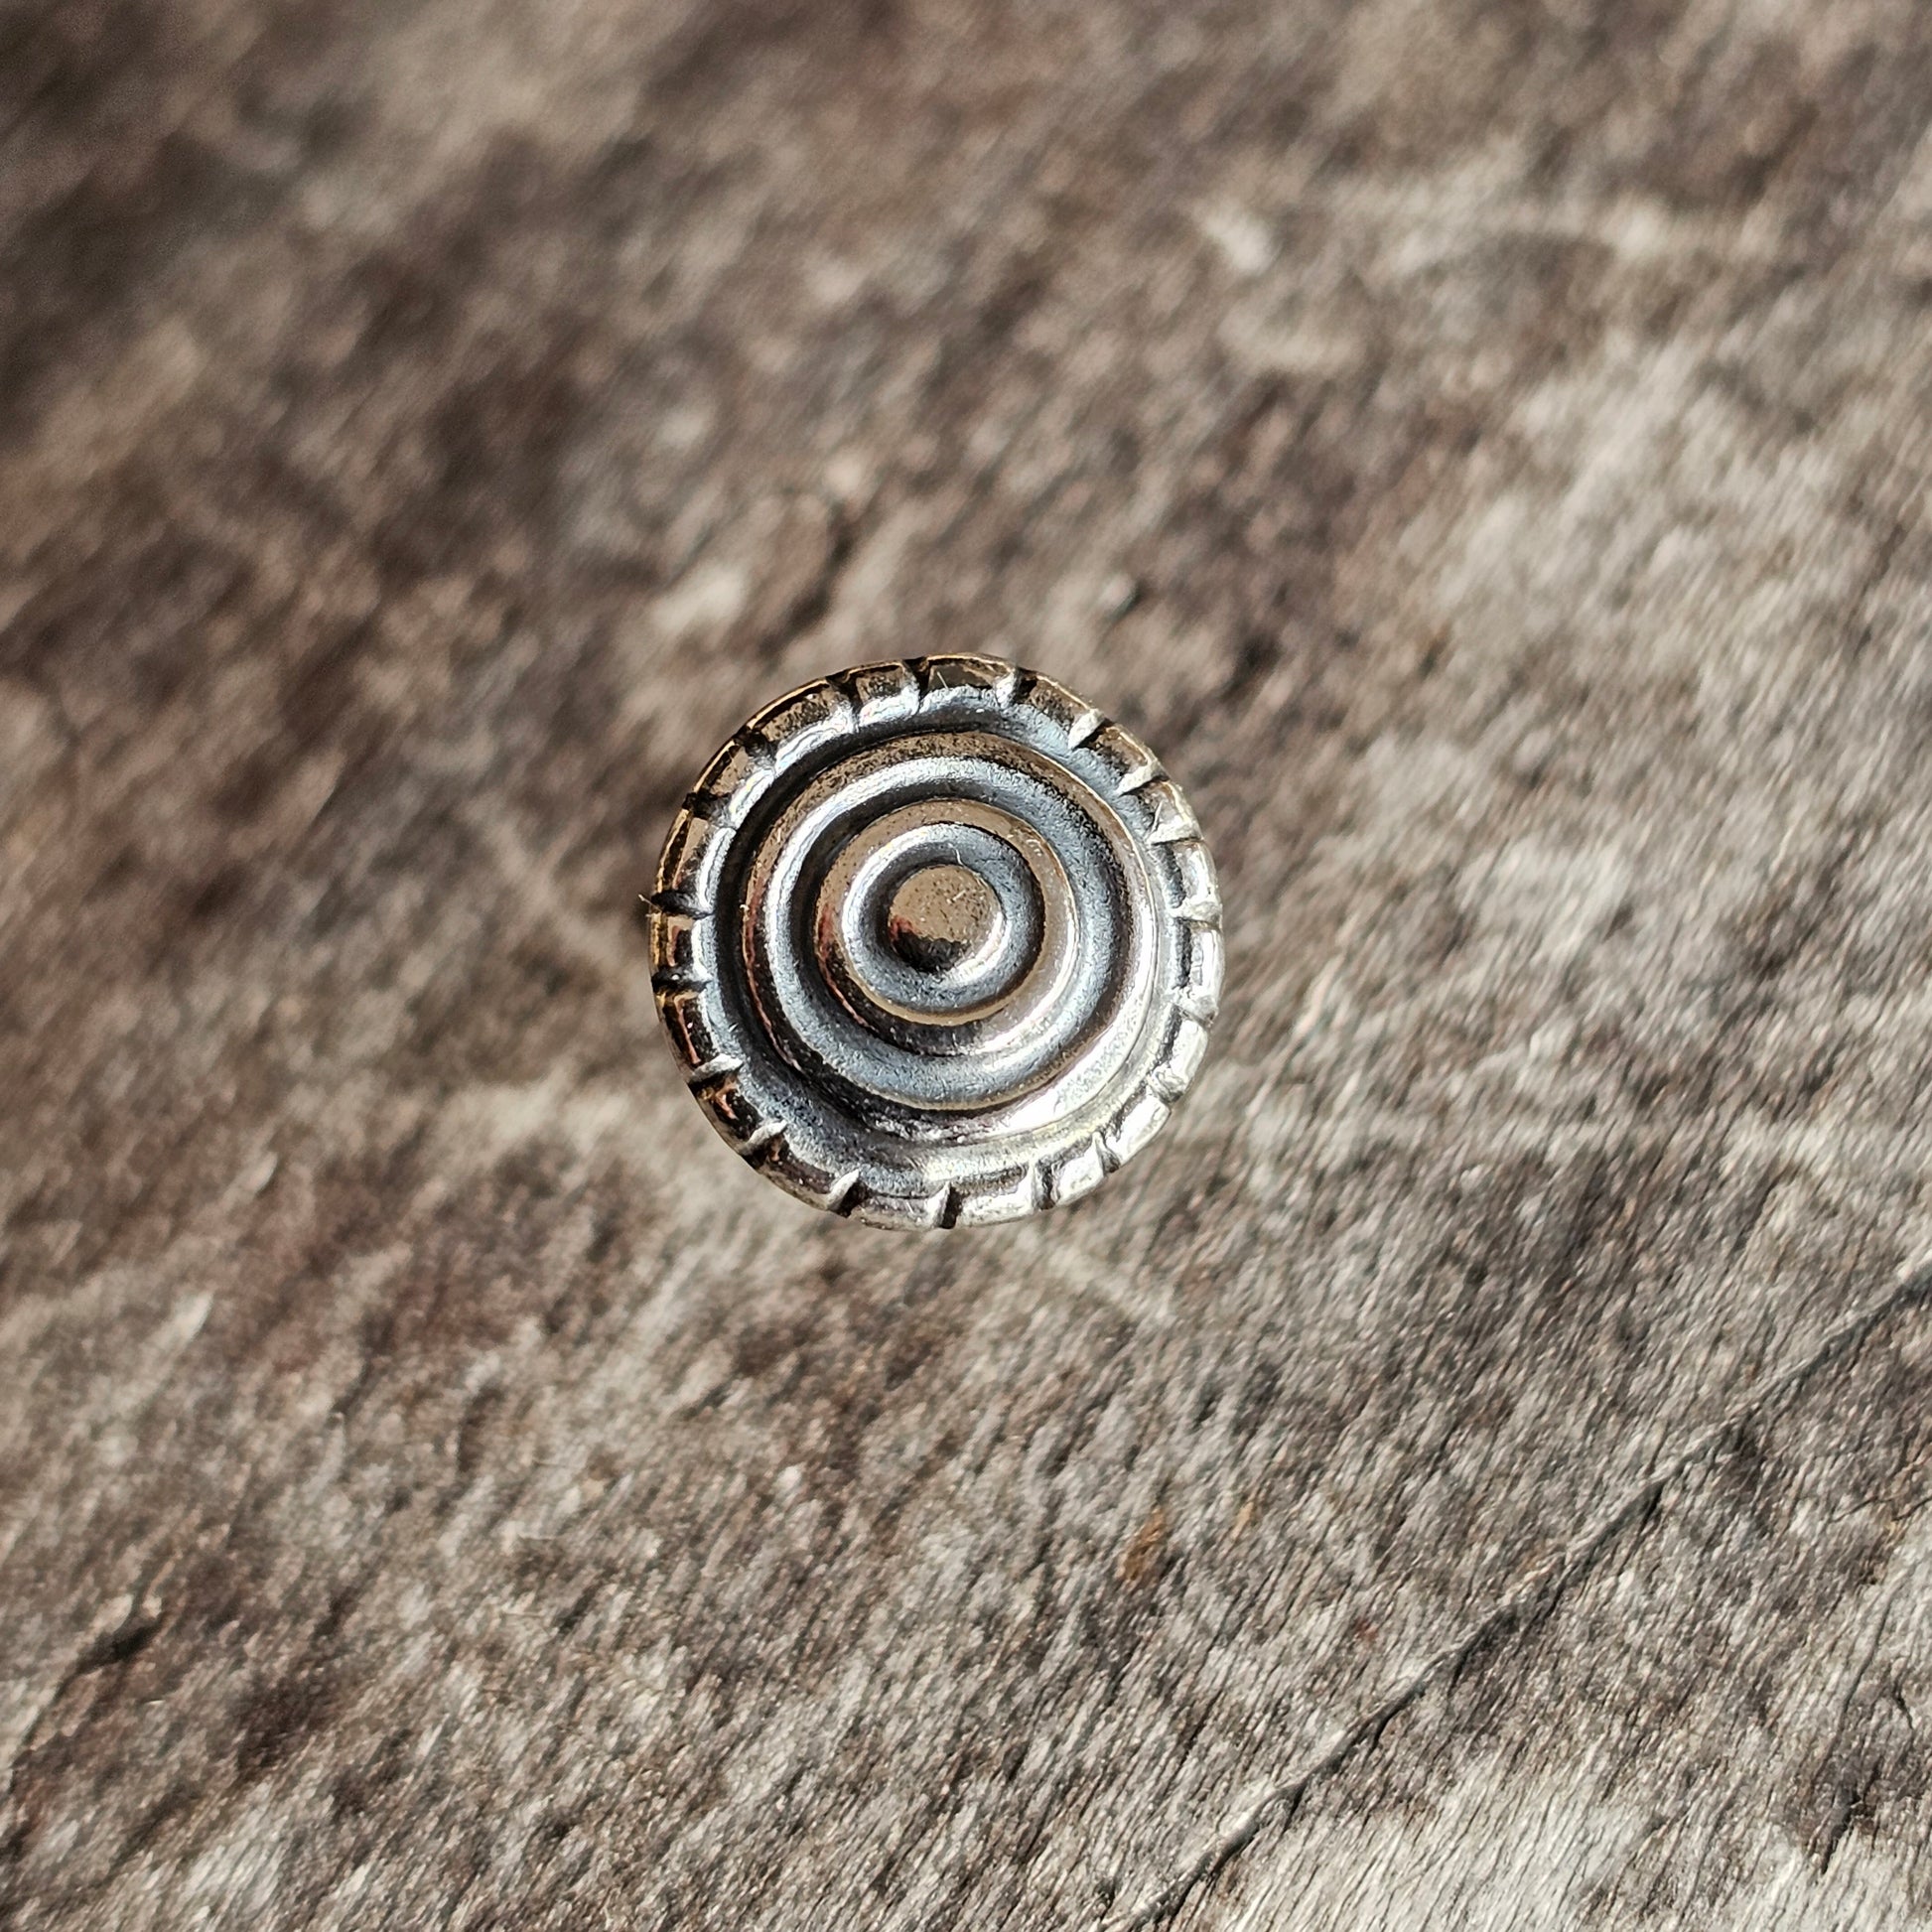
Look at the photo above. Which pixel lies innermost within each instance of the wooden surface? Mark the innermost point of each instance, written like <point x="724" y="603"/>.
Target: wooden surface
<point x="1473" y="1471"/>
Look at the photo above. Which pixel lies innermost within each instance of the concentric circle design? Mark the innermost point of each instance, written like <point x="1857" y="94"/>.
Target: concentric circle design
<point x="936" y="943"/>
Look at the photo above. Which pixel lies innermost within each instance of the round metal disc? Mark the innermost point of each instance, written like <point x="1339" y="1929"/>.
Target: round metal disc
<point x="936" y="943"/>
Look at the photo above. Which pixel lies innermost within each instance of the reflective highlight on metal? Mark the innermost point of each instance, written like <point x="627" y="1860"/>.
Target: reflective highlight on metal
<point x="936" y="943"/>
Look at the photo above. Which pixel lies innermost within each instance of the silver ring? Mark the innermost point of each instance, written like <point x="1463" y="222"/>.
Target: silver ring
<point x="936" y="943"/>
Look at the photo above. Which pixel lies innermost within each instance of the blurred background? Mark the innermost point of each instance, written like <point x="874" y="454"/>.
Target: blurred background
<point x="1473" y="1470"/>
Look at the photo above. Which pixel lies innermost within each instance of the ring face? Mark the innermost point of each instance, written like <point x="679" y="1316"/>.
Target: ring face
<point x="936" y="943"/>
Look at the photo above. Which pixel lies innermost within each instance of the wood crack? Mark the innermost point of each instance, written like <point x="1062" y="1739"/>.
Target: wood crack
<point x="1521" y="1610"/>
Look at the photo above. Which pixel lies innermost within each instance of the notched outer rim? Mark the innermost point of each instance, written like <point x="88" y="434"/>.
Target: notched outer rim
<point x="683" y="906"/>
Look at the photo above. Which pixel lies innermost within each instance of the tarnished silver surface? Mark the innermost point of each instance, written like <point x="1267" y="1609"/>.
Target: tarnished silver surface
<point x="936" y="943"/>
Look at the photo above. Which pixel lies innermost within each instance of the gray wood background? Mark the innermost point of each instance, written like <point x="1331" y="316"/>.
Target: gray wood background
<point x="1473" y="1471"/>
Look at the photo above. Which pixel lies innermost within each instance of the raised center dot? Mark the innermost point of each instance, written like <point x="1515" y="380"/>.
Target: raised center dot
<point x="941" y="917"/>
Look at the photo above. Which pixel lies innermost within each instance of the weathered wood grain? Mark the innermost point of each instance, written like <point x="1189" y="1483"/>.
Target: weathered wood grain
<point x="1473" y="1471"/>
